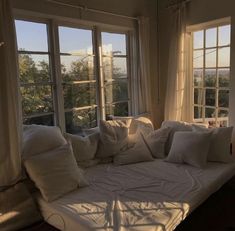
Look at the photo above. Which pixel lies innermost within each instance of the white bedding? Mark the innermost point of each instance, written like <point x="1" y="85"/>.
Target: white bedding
<point x="146" y="196"/>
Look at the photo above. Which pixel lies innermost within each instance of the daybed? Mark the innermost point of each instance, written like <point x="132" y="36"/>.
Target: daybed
<point x="150" y="195"/>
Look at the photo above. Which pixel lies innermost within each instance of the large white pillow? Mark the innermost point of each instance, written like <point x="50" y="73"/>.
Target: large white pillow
<point x="40" y="138"/>
<point x="156" y="141"/>
<point x="55" y="172"/>
<point x="219" y="150"/>
<point x="113" y="137"/>
<point x="84" y="148"/>
<point x="190" y="148"/>
<point x="135" y="152"/>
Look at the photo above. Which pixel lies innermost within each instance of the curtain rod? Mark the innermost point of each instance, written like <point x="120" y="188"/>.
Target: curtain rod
<point x="175" y="3"/>
<point x="91" y="9"/>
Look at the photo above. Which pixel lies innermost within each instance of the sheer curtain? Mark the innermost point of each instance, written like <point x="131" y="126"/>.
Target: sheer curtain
<point x="178" y="94"/>
<point x="10" y="166"/>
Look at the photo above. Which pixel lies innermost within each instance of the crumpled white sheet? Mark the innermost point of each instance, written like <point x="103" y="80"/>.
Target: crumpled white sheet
<point x="146" y="196"/>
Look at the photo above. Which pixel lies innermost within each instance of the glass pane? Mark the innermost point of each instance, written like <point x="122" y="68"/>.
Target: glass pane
<point x="211" y="37"/>
<point x="223" y="113"/>
<point x="197" y="112"/>
<point x="36" y="99"/>
<point x="118" y="109"/>
<point x="44" y="120"/>
<point x="224" y="76"/>
<point x="210" y="97"/>
<point x="77" y="68"/>
<point x="198" y="59"/>
<point x="113" y="44"/>
<point x="79" y="119"/>
<point x="210" y="112"/>
<point x="79" y="95"/>
<point x="224" y="35"/>
<point x="223" y="98"/>
<point x="210" y="77"/>
<point x="198" y="39"/>
<point x="198" y="96"/>
<point x="198" y="75"/>
<point x="31" y="36"/>
<point x="34" y="68"/>
<point x="116" y="91"/>
<point x="210" y="57"/>
<point x="224" y="57"/>
<point x="75" y="41"/>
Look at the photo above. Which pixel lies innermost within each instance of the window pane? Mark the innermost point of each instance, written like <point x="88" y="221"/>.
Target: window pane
<point x="198" y="59"/>
<point x="45" y="120"/>
<point x="198" y="96"/>
<point x="77" y="68"/>
<point x="198" y="39"/>
<point x="31" y="36"/>
<point x="198" y="75"/>
<point x="75" y="41"/>
<point x="224" y="57"/>
<point x="34" y="68"/>
<point x="210" y="77"/>
<point x="113" y="44"/>
<point x="210" y="57"/>
<point x="210" y="112"/>
<point x="197" y="112"/>
<point x="211" y="37"/>
<point x="116" y="91"/>
<point x="223" y="98"/>
<point x="36" y="99"/>
<point x="78" y="119"/>
<point x="224" y="35"/>
<point x="79" y="95"/>
<point x="210" y="97"/>
<point x="223" y="113"/>
<point x="224" y="76"/>
<point x="118" y="109"/>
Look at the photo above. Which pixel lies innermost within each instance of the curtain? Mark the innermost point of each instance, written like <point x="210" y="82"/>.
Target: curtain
<point x="143" y="77"/>
<point x="178" y="93"/>
<point x="10" y="166"/>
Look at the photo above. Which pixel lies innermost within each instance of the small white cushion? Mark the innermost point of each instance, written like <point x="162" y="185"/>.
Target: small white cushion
<point x="40" y="138"/>
<point x="55" y="172"/>
<point x="219" y="150"/>
<point x="113" y="137"/>
<point x="136" y="151"/>
<point x="84" y="148"/>
<point x="156" y="141"/>
<point x="190" y="148"/>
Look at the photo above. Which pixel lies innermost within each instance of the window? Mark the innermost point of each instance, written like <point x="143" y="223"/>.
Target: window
<point x="211" y="75"/>
<point x="61" y="82"/>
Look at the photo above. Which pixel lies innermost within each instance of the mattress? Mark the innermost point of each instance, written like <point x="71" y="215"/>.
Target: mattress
<point x="146" y="196"/>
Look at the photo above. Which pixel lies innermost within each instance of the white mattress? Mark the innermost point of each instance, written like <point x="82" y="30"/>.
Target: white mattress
<point x="146" y="196"/>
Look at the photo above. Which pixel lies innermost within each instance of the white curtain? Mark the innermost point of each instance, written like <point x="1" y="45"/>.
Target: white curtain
<point x="178" y="94"/>
<point x="143" y="79"/>
<point x="10" y="166"/>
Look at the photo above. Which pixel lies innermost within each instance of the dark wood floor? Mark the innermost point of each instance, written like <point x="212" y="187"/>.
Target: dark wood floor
<point x="215" y="214"/>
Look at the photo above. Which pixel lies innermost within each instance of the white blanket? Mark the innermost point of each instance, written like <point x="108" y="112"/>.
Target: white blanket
<point x="145" y="196"/>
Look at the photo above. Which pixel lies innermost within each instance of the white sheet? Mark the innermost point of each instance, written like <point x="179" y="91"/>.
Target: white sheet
<point x="145" y="196"/>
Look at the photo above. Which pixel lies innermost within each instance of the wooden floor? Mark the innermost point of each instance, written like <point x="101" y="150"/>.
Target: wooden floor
<point x="215" y="214"/>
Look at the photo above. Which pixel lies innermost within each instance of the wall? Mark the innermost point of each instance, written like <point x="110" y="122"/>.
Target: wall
<point x="126" y="7"/>
<point x="198" y="12"/>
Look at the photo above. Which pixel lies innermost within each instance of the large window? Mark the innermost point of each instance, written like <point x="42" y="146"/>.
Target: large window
<point x="211" y="75"/>
<point x="78" y="77"/>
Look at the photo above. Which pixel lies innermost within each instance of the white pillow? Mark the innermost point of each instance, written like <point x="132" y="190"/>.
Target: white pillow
<point x="190" y="148"/>
<point x="55" y="172"/>
<point x="84" y="148"/>
<point x="40" y="138"/>
<point x="113" y="137"/>
<point x="219" y="150"/>
<point x="136" y="151"/>
<point x="156" y="141"/>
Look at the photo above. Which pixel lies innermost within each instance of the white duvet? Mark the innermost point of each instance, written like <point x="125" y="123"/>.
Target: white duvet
<point x="146" y="196"/>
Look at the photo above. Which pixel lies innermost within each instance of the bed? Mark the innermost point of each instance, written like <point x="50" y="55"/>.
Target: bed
<point x="154" y="195"/>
